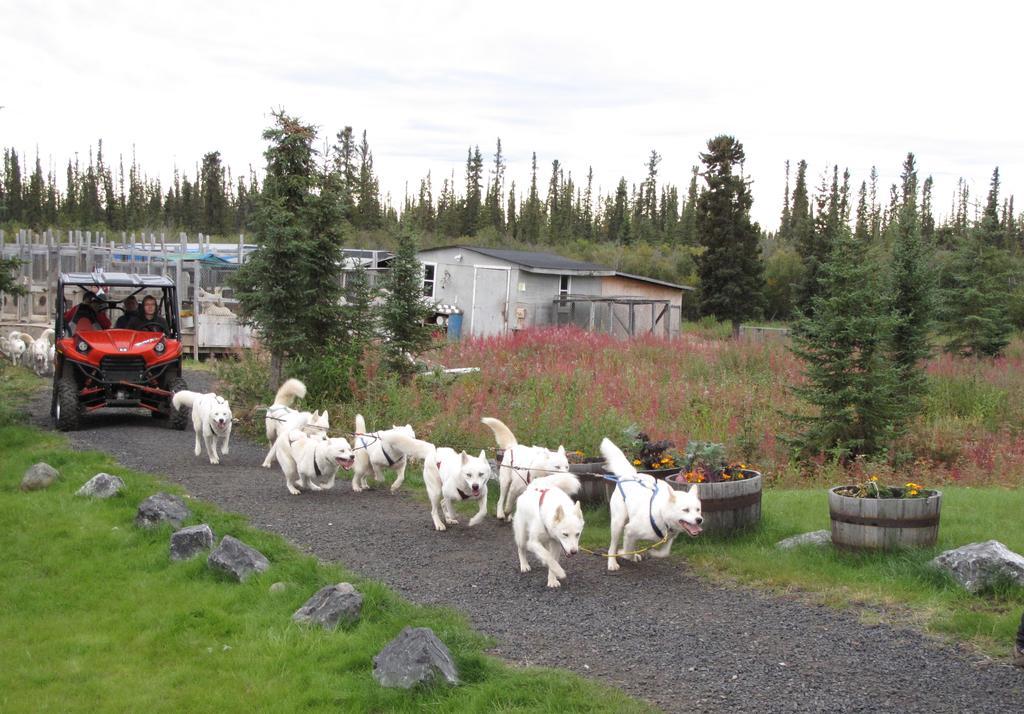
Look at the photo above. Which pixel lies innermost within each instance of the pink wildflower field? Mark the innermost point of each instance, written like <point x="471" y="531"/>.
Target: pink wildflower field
<point x="573" y="387"/>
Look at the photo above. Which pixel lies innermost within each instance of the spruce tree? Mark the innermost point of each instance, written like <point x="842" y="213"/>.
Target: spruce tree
<point x="990" y="228"/>
<point x="618" y="216"/>
<point x="850" y="381"/>
<point x="214" y="203"/>
<point x="403" y="312"/>
<point x="862" y="232"/>
<point x="912" y="297"/>
<point x="688" y="220"/>
<point x="814" y="245"/>
<point x="730" y="269"/>
<point x="974" y="312"/>
<point x="290" y="287"/>
<point x="493" y="208"/>
<point x="472" y="205"/>
<point x="368" y="214"/>
<point x="531" y="217"/>
<point x="927" y="217"/>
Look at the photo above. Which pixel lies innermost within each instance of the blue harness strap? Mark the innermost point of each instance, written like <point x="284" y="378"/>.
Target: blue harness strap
<point x="650" y="508"/>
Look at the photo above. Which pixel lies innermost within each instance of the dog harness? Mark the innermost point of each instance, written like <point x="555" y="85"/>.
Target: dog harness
<point x="366" y="445"/>
<point x="650" y="507"/>
<point x="316" y="464"/>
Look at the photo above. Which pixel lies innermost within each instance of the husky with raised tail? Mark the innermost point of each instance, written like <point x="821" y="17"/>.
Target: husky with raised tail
<point x="520" y="465"/>
<point x="211" y="420"/>
<point x="42" y="350"/>
<point x="376" y="451"/>
<point x="643" y="508"/>
<point x="282" y="418"/>
<point x="547" y="523"/>
<point x="449" y="476"/>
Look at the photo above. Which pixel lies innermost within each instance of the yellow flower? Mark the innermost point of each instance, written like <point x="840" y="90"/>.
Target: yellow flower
<point x="874" y="478"/>
<point x="637" y="462"/>
<point x="913" y="492"/>
<point x="726" y="476"/>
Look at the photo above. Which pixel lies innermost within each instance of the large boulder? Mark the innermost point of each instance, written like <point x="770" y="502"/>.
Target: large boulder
<point x="190" y="542"/>
<point x="236" y="559"/>
<point x="331" y="606"/>
<point x="39" y="476"/>
<point x="979" y="565"/>
<point x="416" y="656"/>
<point x="161" y="508"/>
<point x="812" y="538"/>
<point x="101" y="486"/>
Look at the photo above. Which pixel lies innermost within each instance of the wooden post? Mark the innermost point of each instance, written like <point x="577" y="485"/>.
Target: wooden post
<point x="195" y="311"/>
<point x="241" y="245"/>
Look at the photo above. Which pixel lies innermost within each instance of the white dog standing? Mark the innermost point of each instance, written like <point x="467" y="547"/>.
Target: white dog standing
<point x="520" y="465"/>
<point x="42" y="348"/>
<point x="376" y="451"/>
<point x="449" y="476"/>
<point x="211" y="420"/>
<point x="546" y="522"/>
<point x="17" y="345"/>
<point x="311" y="462"/>
<point x="282" y="418"/>
<point x="644" y="509"/>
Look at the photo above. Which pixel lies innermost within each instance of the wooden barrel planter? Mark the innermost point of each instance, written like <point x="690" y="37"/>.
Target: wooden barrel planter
<point x="594" y="489"/>
<point x="884" y="523"/>
<point x="728" y="506"/>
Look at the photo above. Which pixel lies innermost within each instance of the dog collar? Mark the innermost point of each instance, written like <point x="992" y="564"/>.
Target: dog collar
<point x="543" y="493"/>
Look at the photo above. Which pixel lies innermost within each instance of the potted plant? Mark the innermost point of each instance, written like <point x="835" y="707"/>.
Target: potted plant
<point x="730" y="493"/>
<point x="873" y="516"/>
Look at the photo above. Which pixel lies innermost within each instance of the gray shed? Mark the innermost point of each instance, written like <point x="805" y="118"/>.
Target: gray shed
<point x="501" y="290"/>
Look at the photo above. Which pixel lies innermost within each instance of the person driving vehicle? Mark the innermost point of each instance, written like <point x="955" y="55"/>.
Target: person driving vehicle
<point x="149" y="316"/>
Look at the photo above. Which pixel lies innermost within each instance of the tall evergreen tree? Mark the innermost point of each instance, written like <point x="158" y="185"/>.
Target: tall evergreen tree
<point x="404" y="312"/>
<point x="212" y="190"/>
<point x="290" y="288"/>
<point x="843" y="345"/>
<point x="512" y="226"/>
<point x="974" y="313"/>
<point x="532" y="217"/>
<point x="990" y="228"/>
<point x="368" y="214"/>
<point x="814" y="246"/>
<point x="730" y="269"/>
<point x="801" y="225"/>
<point x="927" y="217"/>
<point x="786" y="220"/>
<point x="912" y="298"/>
<point x="688" y="221"/>
<point x="493" y="205"/>
<point x="617" y="217"/>
<point x="862" y="232"/>
<point x="34" y="197"/>
<point x="472" y="205"/>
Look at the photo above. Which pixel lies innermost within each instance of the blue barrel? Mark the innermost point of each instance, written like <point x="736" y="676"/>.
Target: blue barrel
<point x="454" y="327"/>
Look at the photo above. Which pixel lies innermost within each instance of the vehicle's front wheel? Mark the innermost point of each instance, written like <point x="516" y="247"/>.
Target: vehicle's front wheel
<point x="68" y="412"/>
<point x="179" y="417"/>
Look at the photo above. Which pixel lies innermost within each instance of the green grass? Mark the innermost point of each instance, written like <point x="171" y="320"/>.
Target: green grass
<point x="97" y="618"/>
<point x="902" y="585"/>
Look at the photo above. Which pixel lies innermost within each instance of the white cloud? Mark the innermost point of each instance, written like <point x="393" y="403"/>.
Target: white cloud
<point x="588" y="83"/>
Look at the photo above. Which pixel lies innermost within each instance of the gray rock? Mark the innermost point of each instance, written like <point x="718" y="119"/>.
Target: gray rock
<point x="812" y="538"/>
<point x="977" y="565"/>
<point x="416" y="656"/>
<point x="331" y="606"/>
<point x="278" y="587"/>
<point x="190" y="542"/>
<point x="161" y="508"/>
<point x="39" y="476"/>
<point x="237" y="559"/>
<point x="101" y="486"/>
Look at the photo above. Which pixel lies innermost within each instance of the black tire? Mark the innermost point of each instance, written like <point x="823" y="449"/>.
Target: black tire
<point x="179" y="417"/>
<point x="68" y="410"/>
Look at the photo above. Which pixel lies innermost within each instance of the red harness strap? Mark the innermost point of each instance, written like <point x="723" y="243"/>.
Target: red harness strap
<point x="543" y="493"/>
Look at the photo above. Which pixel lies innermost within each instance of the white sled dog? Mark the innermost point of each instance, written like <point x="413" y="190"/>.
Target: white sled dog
<point x="310" y="462"/>
<point x="17" y="346"/>
<point x="211" y="420"/>
<point x="376" y="451"/>
<point x="520" y="465"/>
<point x="42" y="349"/>
<point x="282" y="418"/>
<point x="449" y="476"/>
<point x="642" y="508"/>
<point x="548" y="521"/>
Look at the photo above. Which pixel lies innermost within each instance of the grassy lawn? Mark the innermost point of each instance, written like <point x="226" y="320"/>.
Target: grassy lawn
<point x="97" y="618"/>
<point x="900" y="587"/>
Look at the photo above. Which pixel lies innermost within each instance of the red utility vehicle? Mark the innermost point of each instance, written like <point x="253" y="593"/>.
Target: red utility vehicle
<point x="98" y="365"/>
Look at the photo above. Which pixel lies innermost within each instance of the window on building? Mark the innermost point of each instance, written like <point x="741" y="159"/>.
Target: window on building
<point x="563" y="285"/>
<point x="429" y="270"/>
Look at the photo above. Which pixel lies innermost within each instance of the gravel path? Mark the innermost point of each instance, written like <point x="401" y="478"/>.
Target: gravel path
<point x="654" y="629"/>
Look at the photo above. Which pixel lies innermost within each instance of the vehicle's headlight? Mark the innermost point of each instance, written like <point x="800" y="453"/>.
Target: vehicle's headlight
<point x="160" y="347"/>
<point x="83" y="346"/>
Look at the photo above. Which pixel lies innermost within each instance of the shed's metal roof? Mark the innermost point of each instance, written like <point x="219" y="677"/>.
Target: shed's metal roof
<point x="534" y="261"/>
<point x="101" y="277"/>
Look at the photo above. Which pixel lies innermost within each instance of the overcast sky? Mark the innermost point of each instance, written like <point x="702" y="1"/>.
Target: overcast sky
<point x="588" y="83"/>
